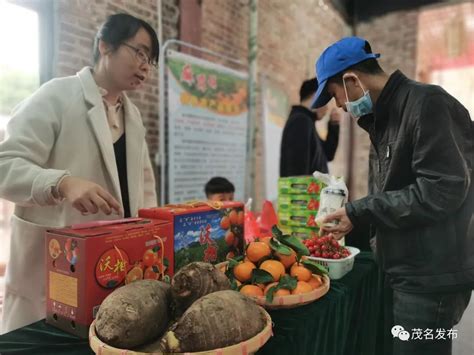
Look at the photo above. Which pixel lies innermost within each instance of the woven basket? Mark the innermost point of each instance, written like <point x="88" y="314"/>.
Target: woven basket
<point x="293" y="301"/>
<point x="246" y="347"/>
<point x="290" y="301"/>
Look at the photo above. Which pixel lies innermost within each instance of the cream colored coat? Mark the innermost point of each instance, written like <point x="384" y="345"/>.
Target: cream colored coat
<point x="60" y="129"/>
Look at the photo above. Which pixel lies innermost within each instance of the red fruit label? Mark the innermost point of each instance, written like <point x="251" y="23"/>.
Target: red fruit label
<point x="313" y="188"/>
<point x="311" y="222"/>
<point x="313" y="205"/>
<point x="111" y="268"/>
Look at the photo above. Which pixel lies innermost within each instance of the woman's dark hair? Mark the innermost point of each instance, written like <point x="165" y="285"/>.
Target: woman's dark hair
<point x="120" y="27"/>
<point x="218" y="185"/>
<point x="368" y="66"/>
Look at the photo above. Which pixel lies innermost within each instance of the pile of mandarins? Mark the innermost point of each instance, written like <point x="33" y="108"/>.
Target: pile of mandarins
<point x="260" y="255"/>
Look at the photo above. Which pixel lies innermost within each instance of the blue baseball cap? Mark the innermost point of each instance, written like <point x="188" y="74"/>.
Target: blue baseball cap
<point x="336" y="58"/>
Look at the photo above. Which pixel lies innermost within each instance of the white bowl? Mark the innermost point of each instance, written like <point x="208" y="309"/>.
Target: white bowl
<point x="338" y="267"/>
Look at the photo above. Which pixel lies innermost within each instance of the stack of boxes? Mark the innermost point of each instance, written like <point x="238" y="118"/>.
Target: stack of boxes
<point x="298" y="204"/>
<point x="86" y="262"/>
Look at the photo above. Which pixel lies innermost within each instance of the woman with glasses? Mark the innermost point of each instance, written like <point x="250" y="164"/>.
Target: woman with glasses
<point x="76" y="152"/>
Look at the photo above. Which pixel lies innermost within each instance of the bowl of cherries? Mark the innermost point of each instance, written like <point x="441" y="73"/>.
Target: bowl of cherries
<point x="327" y="251"/>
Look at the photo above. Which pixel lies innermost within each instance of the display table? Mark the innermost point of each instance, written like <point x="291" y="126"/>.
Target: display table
<point x="344" y="321"/>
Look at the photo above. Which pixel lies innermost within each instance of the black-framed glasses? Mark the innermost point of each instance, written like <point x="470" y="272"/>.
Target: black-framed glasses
<point x="141" y="55"/>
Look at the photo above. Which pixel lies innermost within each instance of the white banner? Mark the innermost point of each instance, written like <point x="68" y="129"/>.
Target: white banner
<point x="207" y="126"/>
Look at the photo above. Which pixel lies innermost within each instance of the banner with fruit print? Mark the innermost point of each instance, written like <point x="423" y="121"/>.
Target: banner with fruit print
<point x="206" y="126"/>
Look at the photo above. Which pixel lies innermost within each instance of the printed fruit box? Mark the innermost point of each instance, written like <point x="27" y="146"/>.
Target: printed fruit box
<point x="298" y="202"/>
<point x="86" y="262"/>
<point x="297" y="218"/>
<point x="301" y="232"/>
<point x="203" y="231"/>
<point x="299" y="185"/>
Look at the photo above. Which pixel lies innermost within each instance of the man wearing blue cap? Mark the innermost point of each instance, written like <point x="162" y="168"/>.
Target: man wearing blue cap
<point x="421" y="191"/>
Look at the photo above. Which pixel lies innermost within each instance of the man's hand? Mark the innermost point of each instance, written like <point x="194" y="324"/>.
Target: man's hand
<point x="88" y="197"/>
<point x="339" y="230"/>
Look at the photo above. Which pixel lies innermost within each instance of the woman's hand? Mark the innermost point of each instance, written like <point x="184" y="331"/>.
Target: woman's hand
<point x="88" y="197"/>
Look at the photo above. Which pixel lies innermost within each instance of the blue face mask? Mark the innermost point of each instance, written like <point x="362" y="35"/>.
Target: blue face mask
<point x="360" y="107"/>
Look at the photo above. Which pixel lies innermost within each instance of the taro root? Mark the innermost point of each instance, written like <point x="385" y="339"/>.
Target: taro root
<point x="215" y="321"/>
<point x="194" y="281"/>
<point x="134" y="314"/>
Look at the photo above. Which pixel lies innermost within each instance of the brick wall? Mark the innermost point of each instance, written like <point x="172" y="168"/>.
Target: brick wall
<point x="394" y="36"/>
<point x="290" y="37"/>
<point x="445" y="34"/>
<point x="224" y="29"/>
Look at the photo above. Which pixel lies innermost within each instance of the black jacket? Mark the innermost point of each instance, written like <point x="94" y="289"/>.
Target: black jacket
<point x="302" y="150"/>
<point x="421" y="197"/>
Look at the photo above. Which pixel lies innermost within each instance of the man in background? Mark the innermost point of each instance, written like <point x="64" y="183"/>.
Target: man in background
<point x="302" y="150"/>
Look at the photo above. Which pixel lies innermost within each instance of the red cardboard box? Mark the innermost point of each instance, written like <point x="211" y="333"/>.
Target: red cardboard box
<point x="203" y="231"/>
<point x="86" y="262"/>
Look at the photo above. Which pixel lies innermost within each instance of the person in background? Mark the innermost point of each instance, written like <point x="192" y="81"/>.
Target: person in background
<point x="219" y="189"/>
<point x="421" y="192"/>
<point x="76" y="152"/>
<point x="302" y="150"/>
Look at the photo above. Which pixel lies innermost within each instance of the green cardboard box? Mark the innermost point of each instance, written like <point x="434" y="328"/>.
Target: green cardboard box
<point x="298" y="202"/>
<point x="301" y="232"/>
<point x="299" y="185"/>
<point x="297" y="218"/>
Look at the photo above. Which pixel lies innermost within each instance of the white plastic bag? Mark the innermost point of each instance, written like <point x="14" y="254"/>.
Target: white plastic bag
<point x="332" y="197"/>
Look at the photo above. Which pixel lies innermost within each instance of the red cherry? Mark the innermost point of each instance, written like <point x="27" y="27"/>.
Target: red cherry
<point x="336" y="256"/>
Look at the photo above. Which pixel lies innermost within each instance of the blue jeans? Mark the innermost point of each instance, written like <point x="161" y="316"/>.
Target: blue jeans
<point x="428" y="319"/>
